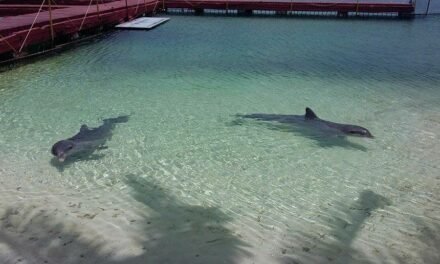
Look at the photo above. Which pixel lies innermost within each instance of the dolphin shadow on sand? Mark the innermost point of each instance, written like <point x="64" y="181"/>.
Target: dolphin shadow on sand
<point x="339" y="226"/>
<point x="325" y="133"/>
<point x="83" y="145"/>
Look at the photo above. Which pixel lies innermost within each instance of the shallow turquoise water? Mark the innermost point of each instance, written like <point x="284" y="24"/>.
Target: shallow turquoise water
<point x="185" y="181"/>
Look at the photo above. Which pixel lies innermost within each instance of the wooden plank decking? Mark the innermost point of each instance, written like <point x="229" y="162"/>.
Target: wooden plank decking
<point x="67" y="21"/>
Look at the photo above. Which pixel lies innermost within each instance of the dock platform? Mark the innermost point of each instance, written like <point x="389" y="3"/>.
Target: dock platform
<point x="24" y="29"/>
<point x="143" y="23"/>
<point x="339" y="7"/>
<point x="28" y="27"/>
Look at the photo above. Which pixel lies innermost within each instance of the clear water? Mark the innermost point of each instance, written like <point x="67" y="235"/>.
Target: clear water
<point x="184" y="181"/>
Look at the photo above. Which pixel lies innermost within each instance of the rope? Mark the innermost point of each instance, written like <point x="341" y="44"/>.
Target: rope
<point x="35" y="19"/>
<point x="188" y="2"/>
<point x="82" y="22"/>
<point x="154" y="8"/>
<point x="51" y="49"/>
<point x="7" y="43"/>
<point x="68" y="19"/>
<point x="137" y="6"/>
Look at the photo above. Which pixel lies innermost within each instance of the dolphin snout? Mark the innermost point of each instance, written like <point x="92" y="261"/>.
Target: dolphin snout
<point x="61" y="157"/>
<point x="369" y="135"/>
<point x="62" y="149"/>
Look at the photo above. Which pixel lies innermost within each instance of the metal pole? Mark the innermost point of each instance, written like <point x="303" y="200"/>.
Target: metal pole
<point x="357" y="7"/>
<point x="97" y="9"/>
<point x="126" y="9"/>
<point x="427" y="7"/>
<point x="50" y="21"/>
<point x="99" y="14"/>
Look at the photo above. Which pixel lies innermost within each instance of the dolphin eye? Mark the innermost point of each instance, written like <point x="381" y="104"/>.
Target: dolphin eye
<point x="70" y="147"/>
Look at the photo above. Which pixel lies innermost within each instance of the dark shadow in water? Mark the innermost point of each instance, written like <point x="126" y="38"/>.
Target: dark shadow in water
<point x="344" y="222"/>
<point x="35" y="236"/>
<point x="194" y="234"/>
<point x="173" y="232"/>
<point x="427" y="239"/>
<point x="323" y="138"/>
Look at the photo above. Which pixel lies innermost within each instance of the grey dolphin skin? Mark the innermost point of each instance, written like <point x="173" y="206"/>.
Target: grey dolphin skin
<point x="311" y="119"/>
<point x="87" y="139"/>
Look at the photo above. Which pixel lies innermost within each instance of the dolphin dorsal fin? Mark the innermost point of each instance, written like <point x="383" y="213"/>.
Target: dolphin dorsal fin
<point x="310" y="114"/>
<point x="84" y="128"/>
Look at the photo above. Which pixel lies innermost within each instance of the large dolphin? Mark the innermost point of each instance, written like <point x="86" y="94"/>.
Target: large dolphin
<point x="87" y="139"/>
<point x="312" y="120"/>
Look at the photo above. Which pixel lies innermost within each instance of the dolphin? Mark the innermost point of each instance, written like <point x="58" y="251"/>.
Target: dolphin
<point x="312" y="120"/>
<point x="87" y="139"/>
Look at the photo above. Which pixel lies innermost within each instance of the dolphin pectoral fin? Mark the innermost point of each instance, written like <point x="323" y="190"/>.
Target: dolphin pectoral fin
<point x="310" y="114"/>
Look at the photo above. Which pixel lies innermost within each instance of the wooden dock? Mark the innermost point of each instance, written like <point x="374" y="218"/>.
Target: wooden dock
<point x="64" y="23"/>
<point x="341" y="7"/>
<point x="32" y="27"/>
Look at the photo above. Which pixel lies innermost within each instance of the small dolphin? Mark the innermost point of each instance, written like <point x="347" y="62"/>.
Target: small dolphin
<point x="311" y="119"/>
<point x="87" y="139"/>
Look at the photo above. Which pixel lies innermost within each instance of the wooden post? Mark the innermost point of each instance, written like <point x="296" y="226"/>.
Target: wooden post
<point x="126" y="10"/>
<point x="97" y="10"/>
<point x="342" y="14"/>
<point x="198" y="11"/>
<point x="357" y="7"/>
<point x="50" y="22"/>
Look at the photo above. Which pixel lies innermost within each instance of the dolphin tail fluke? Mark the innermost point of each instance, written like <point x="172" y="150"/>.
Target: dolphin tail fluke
<point x="119" y="119"/>
<point x="310" y="114"/>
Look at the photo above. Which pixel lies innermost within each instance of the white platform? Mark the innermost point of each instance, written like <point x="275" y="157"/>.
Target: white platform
<point x="143" y="23"/>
